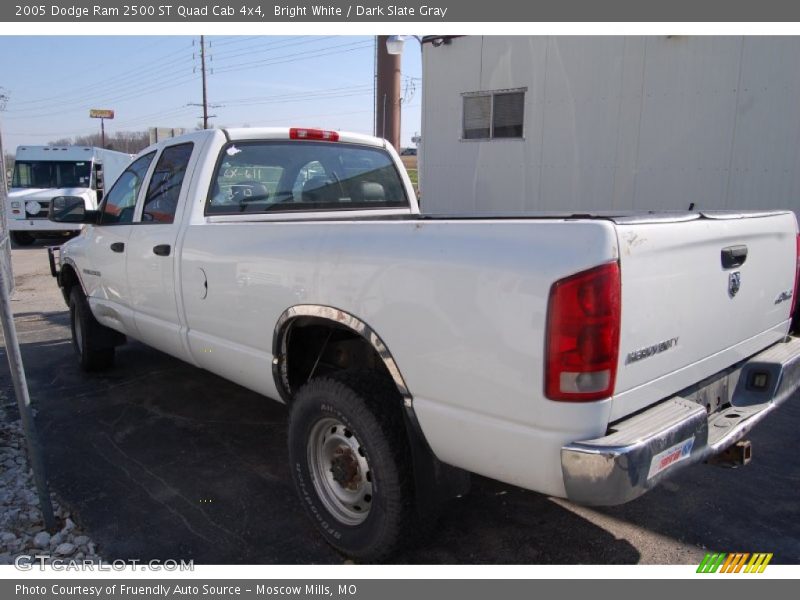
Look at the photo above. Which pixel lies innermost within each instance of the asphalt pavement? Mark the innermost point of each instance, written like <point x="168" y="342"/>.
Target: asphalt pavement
<point x="160" y="460"/>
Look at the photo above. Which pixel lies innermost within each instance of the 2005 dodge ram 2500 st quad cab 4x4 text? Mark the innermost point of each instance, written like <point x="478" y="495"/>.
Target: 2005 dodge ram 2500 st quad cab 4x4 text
<point x="585" y="356"/>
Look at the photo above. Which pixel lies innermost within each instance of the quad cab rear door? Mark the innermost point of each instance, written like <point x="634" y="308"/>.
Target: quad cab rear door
<point x="153" y="255"/>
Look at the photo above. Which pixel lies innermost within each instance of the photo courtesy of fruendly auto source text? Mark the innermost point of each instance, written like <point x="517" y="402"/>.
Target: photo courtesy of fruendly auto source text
<point x="395" y="300"/>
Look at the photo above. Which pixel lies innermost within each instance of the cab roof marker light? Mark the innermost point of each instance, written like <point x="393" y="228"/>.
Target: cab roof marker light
<point x="302" y="133"/>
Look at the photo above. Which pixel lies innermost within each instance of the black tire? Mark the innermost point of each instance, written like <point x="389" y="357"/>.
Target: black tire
<point x="91" y="341"/>
<point x="368" y="408"/>
<point x="22" y="238"/>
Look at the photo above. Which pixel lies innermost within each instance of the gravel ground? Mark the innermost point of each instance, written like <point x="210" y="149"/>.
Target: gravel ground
<point x="22" y="530"/>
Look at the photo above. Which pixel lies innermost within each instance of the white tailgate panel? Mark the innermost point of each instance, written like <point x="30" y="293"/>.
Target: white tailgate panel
<point x="679" y="318"/>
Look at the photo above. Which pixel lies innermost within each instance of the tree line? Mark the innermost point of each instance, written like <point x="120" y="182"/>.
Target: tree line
<point x="130" y="142"/>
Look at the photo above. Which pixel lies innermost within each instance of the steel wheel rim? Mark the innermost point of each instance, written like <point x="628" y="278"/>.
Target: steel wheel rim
<point x="340" y="471"/>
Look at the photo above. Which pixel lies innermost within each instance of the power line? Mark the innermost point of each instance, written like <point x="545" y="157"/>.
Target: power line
<point x="268" y="47"/>
<point x="303" y="53"/>
<point x="131" y="79"/>
<point x="156" y="115"/>
<point x="300" y="56"/>
<point x="166" y="72"/>
<point x="132" y="85"/>
<point x="141" y="91"/>
<point x="362" y="92"/>
<point x="283" y="120"/>
<point x="294" y="95"/>
<point x="148" y="45"/>
<point x="226" y="40"/>
<point x="264" y="42"/>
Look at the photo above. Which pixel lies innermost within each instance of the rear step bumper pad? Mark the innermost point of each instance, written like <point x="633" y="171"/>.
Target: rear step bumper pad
<point x="650" y="446"/>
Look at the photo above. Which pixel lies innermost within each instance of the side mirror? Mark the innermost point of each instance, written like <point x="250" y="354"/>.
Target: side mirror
<point x="70" y="209"/>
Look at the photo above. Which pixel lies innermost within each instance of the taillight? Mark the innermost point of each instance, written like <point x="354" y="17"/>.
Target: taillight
<point x="582" y="343"/>
<point x="297" y="133"/>
<point x="796" y="276"/>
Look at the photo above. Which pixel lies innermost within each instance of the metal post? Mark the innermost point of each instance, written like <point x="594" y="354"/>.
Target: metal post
<point x="24" y="404"/>
<point x="203" y="71"/>
<point x="388" y="93"/>
<point x="102" y="133"/>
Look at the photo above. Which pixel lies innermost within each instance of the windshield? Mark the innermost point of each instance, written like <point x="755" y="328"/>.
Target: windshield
<point x="51" y="174"/>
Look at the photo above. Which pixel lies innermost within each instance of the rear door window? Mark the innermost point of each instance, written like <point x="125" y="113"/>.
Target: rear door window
<point x="166" y="182"/>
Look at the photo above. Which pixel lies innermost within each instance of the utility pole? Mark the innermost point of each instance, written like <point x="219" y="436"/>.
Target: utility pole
<point x="203" y="74"/>
<point x="203" y="70"/>
<point x="387" y="100"/>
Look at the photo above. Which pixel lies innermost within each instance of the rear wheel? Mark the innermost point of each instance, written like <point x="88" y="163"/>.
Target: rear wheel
<point x="351" y="463"/>
<point x="22" y="238"/>
<point x="92" y="342"/>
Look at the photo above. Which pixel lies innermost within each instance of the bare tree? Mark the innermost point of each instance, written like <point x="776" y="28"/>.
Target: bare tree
<point x="130" y="142"/>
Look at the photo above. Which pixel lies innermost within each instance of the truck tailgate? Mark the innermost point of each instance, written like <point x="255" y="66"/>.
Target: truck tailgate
<point x="697" y="297"/>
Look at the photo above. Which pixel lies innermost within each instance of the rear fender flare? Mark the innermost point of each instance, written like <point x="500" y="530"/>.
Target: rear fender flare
<point x="339" y="317"/>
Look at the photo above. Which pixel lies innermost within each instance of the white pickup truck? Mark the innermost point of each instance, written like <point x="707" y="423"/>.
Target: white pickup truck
<point x="585" y="356"/>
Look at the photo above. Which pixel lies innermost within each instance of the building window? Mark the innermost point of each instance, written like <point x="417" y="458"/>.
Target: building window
<point x="494" y="115"/>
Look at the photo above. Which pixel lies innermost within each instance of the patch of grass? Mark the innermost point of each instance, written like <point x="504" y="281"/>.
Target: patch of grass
<point x="409" y="162"/>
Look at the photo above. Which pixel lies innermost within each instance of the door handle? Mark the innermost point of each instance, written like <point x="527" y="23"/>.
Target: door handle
<point x="118" y="247"/>
<point x="162" y="249"/>
<point x="733" y="256"/>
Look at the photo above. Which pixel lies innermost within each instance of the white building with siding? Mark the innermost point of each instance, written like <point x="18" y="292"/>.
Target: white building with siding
<point x="523" y="124"/>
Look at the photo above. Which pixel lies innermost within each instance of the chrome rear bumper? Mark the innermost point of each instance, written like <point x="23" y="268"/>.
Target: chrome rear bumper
<point x="650" y="446"/>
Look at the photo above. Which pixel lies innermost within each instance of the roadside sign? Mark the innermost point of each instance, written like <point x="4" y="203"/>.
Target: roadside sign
<point x="101" y="113"/>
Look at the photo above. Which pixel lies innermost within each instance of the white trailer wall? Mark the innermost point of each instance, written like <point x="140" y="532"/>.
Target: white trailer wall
<point x="616" y="123"/>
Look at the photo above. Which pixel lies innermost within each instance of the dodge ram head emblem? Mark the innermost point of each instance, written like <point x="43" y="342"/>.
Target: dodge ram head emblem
<point x="734" y="283"/>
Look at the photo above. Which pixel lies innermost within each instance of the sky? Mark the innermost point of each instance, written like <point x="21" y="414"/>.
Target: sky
<point x="310" y="81"/>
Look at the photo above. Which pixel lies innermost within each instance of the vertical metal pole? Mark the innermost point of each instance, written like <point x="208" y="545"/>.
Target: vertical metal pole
<point x="399" y="124"/>
<point x="102" y="132"/>
<point x="24" y="404"/>
<point x="203" y="71"/>
<point x="388" y="92"/>
<point x="383" y="116"/>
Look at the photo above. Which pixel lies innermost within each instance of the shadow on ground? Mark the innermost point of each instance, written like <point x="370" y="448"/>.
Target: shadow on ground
<point x="162" y="460"/>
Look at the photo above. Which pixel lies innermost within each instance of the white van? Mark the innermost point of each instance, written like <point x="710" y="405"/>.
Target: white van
<point x="42" y="173"/>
